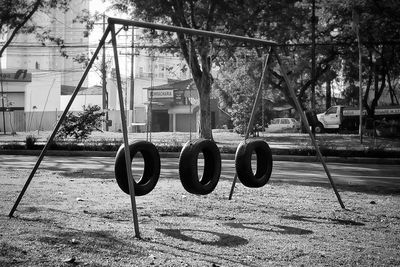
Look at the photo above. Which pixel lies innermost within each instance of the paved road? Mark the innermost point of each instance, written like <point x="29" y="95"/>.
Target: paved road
<point x="375" y="178"/>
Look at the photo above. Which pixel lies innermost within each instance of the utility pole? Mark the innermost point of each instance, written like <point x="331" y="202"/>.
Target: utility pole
<point x="313" y="22"/>
<point x="104" y="76"/>
<point x="132" y="98"/>
<point x="262" y="111"/>
<point x="356" y="23"/>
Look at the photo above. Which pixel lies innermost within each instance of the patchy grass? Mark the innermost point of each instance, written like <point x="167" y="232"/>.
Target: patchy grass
<point x="85" y="220"/>
<point x="280" y="143"/>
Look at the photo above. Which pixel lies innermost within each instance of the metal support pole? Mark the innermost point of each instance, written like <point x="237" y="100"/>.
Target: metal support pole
<point x="125" y="133"/>
<point x="313" y="22"/>
<point x="104" y="78"/>
<point x="132" y="96"/>
<point x="192" y="31"/>
<point x="360" y="90"/>
<point x="253" y="112"/>
<point x="41" y="156"/>
<point x="307" y="126"/>
<point x="2" y="100"/>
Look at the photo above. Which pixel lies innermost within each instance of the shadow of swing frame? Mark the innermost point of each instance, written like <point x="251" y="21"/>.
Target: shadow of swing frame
<point x="111" y="30"/>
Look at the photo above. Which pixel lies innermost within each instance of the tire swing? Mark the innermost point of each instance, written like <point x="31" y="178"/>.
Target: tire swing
<point x="243" y="166"/>
<point x="151" y="171"/>
<point x="188" y="166"/>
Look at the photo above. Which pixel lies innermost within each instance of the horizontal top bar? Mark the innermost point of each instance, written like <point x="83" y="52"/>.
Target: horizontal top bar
<point x="189" y="31"/>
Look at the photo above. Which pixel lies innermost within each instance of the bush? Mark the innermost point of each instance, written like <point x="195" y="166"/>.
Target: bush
<point x="30" y="141"/>
<point x="82" y="124"/>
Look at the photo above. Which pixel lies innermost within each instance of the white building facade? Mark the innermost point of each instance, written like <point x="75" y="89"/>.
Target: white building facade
<point x="36" y="102"/>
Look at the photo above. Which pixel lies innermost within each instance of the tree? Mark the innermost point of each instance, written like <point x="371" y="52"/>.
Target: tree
<point x="15" y="14"/>
<point x="241" y="80"/>
<point x="80" y="125"/>
<point x="288" y="23"/>
<point x="236" y="86"/>
<point x="379" y="27"/>
<point x="296" y="54"/>
<point x="379" y="30"/>
<point x="233" y="17"/>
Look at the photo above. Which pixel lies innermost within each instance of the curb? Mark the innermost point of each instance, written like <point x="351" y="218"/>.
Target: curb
<point x="294" y="158"/>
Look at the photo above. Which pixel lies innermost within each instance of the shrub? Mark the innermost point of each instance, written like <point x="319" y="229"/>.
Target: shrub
<point x="30" y="141"/>
<point x="82" y="124"/>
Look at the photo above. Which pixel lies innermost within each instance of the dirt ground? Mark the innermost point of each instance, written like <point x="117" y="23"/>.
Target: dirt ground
<point x="83" y="218"/>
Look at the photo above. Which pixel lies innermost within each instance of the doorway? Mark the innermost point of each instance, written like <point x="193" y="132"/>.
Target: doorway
<point x="160" y="121"/>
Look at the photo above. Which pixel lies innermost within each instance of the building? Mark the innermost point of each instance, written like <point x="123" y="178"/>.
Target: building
<point x="174" y="107"/>
<point x="13" y="87"/>
<point x="158" y="93"/>
<point x="34" y="103"/>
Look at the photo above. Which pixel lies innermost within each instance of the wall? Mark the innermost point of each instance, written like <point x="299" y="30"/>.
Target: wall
<point x="115" y="117"/>
<point x="80" y="101"/>
<point x="14" y="121"/>
<point x="43" y="93"/>
<point x="43" y="121"/>
<point x="186" y="122"/>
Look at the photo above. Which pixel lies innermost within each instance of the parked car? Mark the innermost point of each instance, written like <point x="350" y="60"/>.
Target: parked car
<point x="282" y="125"/>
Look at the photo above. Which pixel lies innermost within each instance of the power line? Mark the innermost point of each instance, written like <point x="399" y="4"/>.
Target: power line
<point x="393" y="42"/>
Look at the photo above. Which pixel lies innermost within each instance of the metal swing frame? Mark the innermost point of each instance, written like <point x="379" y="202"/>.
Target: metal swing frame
<point x="126" y="23"/>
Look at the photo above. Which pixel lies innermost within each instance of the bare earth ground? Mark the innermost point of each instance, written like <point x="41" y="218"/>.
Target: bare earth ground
<point x="80" y="218"/>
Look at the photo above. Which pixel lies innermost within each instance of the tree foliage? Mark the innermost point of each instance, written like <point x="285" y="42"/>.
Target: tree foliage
<point x="337" y="54"/>
<point x="289" y="24"/>
<point x="236" y="86"/>
<point x="242" y="84"/>
<point x="246" y="18"/>
<point x="379" y="27"/>
<point x="16" y="17"/>
<point x="80" y="125"/>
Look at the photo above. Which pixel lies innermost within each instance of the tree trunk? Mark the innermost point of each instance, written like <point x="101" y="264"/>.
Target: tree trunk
<point x="328" y="100"/>
<point x="205" y="116"/>
<point x="203" y="82"/>
<point x="193" y="50"/>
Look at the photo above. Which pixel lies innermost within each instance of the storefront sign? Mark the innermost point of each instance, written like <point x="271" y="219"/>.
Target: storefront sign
<point x="20" y="75"/>
<point x="161" y="93"/>
<point x="179" y="97"/>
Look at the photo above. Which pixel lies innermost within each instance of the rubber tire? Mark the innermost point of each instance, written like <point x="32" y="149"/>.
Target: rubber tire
<point x="151" y="172"/>
<point x="319" y="128"/>
<point x="243" y="167"/>
<point x="188" y="163"/>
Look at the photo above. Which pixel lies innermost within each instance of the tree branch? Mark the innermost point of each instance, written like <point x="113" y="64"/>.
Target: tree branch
<point x="319" y="72"/>
<point x="192" y="17"/>
<point x="368" y="87"/>
<point x="19" y="26"/>
<point x="210" y="15"/>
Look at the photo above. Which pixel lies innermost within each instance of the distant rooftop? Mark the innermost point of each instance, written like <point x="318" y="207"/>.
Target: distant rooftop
<point x="172" y="84"/>
<point x="92" y="90"/>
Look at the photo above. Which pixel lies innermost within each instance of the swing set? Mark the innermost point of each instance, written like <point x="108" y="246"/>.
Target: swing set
<point x="188" y="160"/>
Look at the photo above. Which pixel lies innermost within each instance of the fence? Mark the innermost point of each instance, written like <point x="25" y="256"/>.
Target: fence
<point x="20" y="121"/>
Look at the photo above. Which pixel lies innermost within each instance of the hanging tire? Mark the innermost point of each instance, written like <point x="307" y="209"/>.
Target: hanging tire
<point x="244" y="170"/>
<point x="151" y="171"/>
<point x="188" y="166"/>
